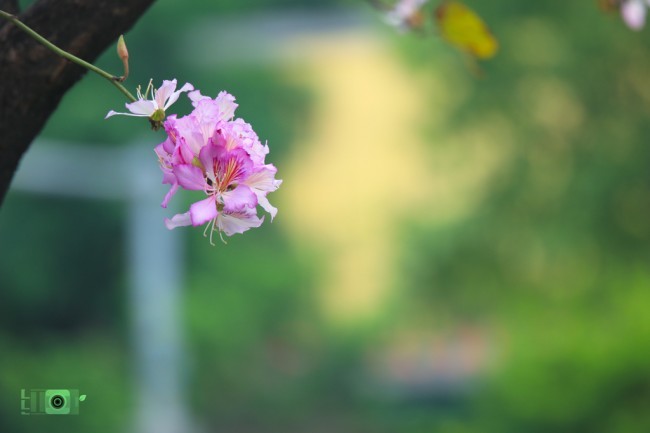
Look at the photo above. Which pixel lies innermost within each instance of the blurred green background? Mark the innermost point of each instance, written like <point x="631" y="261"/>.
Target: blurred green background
<point x="451" y="253"/>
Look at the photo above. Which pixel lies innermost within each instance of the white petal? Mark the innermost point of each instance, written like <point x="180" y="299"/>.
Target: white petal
<point x="227" y="106"/>
<point x="263" y="179"/>
<point x="178" y="220"/>
<point x="238" y="222"/>
<point x="142" y="107"/>
<point x="174" y="96"/>
<point x="113" y="113"/>
<point x="164" y="92"/>
<point x="266" y="205"/>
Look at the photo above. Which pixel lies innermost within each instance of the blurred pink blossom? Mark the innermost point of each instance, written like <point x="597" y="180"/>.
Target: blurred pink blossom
<point x="403" y="12"/>
<point x="634" y="12"/>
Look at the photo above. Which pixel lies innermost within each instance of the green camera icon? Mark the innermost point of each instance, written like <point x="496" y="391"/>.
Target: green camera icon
<point x="50" y="401"/>
<point x="57" y="402"/>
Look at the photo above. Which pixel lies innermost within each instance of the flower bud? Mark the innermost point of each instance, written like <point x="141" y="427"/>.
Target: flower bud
<point x="123" y="54"/>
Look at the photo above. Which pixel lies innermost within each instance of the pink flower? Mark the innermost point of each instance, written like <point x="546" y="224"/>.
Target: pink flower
<point x="161" y="100"/>
<point x="209" y="151"/>
<point x="634" y="12"/>
<point x="220" y="174"/>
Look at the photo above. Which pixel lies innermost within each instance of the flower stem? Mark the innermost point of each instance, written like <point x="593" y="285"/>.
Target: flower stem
<point x="113" y="79"/>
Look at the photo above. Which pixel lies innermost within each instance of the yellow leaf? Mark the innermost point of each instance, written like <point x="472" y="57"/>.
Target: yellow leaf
<point x="464" y="29"/>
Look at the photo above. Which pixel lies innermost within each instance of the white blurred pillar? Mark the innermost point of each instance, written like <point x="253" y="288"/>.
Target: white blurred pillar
<point x="155" y="268"/>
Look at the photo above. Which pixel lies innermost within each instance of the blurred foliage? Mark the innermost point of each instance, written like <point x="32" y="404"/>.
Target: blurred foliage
<point x="551" y="261"/>
<point x="554" y="257"/>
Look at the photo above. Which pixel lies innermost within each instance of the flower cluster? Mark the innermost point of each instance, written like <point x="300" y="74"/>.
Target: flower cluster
<point x="210" y="151"/>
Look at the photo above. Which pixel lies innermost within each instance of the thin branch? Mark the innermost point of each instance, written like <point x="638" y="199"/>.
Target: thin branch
<point x="110" y="77"/>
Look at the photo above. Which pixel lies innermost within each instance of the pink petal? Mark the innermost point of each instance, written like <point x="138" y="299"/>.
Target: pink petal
<point x="183" y="154"/>
<point x="168" y="145"/>
<point x="239" y="198"/>
<point x="169" y="194"/>
<point x="196" y="96"/>
<point x="207" y="156"/>
<point x="203" y="211"/>
<point x="240" y="134"/>
<point x="226" y="104"/>
<point x="190" y="177"/>
<point x="161" y="152"/>
<point x="633" y="12"/>
<point x="168" y="177"/>
<point x="194" y="141"/>
<point x="264" y="179"/>
<point x="178" y="220"/>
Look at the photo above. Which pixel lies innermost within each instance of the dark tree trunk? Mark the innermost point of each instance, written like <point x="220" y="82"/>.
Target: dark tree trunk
<point x="10" y="6"/>
<point x="33" y="79"/>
